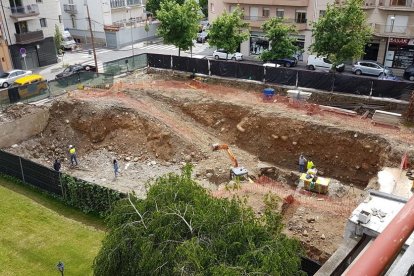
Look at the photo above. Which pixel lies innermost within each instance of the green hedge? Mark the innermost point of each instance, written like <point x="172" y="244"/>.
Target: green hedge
<point x="88" y="197"/>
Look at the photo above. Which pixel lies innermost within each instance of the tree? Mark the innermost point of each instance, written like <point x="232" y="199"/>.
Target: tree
<point x="58" y="38"/>
<point x="179" y="23"/>
<point x="228" y="31"/>
<point x="204" y="6"/>
<point x="154" y="5"/>
<point x="281" y="44"/>
<point x="341" y="34"/>
<point x="179" y="229"/>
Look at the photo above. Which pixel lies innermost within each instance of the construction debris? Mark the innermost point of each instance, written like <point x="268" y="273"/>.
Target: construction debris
<point x="386" y="118"/>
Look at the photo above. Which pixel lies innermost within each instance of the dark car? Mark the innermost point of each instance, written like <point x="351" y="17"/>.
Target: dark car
<point x="409" y="73"/>
<point x="286" y="62"/>
<point x="74" y="69"/>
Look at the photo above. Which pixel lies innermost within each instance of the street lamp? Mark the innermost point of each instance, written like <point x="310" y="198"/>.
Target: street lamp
<point x="132" y="35"/>
<point x="392" y="18"/>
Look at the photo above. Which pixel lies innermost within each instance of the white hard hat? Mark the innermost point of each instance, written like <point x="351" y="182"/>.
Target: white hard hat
<point x="70" y="146"/>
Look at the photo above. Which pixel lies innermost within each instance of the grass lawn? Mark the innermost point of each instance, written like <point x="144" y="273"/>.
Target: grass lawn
<point x="37" y="231"/>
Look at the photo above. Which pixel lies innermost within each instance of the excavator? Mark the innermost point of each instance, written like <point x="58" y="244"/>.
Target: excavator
<point x="236" y="171"/>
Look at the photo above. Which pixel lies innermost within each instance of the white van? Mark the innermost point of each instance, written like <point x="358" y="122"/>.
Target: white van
<point x="68" y="42"/>
<point x="315" y="62"/>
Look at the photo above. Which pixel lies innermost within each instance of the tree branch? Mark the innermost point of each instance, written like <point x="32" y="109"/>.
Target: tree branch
<point x="136" y="210"/>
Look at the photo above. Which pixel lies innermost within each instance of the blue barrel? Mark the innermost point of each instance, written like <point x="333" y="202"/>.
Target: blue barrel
<point x="268" y="92"/>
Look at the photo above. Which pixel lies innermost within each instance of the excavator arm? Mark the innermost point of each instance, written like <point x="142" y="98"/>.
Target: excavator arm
<point x="216" y="147"/>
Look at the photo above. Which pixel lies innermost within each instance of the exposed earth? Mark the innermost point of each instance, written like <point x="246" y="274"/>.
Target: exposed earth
<point x="154" y="123"/>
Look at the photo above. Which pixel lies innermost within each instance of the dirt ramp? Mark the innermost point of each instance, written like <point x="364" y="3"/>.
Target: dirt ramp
<point x="346" y="155"/>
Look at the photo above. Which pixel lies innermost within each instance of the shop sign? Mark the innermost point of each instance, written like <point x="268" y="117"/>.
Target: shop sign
<point x="399" y="41"/>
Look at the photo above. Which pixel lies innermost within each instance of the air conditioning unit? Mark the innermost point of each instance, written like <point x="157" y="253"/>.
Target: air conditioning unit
<point x="364" y="216"/>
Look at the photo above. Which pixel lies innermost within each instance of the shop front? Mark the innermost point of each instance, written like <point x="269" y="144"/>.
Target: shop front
<point x="400" y="53"/>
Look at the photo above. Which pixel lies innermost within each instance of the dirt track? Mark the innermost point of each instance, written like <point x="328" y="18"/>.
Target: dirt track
<point x="153" y="123"/>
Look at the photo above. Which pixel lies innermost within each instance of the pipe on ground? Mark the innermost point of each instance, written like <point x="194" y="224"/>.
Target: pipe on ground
<point x="378" y="257"/>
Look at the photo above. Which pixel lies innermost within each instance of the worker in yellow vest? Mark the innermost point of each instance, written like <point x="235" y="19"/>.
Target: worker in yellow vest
<point x="310" y="165"/>
<point x="72" y="152"/>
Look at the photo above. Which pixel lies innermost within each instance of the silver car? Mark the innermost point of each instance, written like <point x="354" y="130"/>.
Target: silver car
<point x="366" y="67"/>
<point x="7" y="78"/>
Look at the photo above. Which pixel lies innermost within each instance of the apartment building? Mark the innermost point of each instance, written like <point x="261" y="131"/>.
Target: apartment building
<point x="28" y="28"/>
<point x="392" y="23"/>
<point x="117" y="13"/>
<point x="5" y="60"/>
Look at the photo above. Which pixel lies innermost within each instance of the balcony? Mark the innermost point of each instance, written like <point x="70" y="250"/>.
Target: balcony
<point x="383" y="30"/>
<point x="115" y="4"/>
<point x="18" y="12"/>
<point x="134" y="2"/>
<point x="288" y="3"/>
<point x="368" y="4"/>
<point x="258" y="21"/>
<point x="29" y="37"/>
<point x="70" y="8"/>
<point x="396" y="5"/>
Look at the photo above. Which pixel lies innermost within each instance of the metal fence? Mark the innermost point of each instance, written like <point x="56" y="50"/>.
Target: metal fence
<point x="124" y="65"/>
<point x="78" y="193"/>
<point x="41" y="90"/>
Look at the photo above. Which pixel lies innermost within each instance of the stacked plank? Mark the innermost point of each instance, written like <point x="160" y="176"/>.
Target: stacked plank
<point x="338" y="110"/>
<point x="386" y="118"/>
<point x="298" y="95"/>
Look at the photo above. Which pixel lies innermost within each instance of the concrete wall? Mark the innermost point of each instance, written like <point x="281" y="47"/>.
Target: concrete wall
<point x="123" y="36"/>
<point x="23" y="128"/>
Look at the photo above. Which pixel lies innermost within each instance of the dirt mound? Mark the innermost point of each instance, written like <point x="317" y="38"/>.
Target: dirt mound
<point x="349" y="156"/>
<point x="91" y="126"/>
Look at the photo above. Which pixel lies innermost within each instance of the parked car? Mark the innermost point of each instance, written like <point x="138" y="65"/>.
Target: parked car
<point x="74" y="69"/>
<point x="315" y="62"/>
<point x="285" y="62"/>
<point x="367" y="67"/>
<point x="202" y="37"/>
<point x="409" y="73"/>
<point x="7" y="78"/>
<point x="68" y="42"/>
<point x="221" y="54"/>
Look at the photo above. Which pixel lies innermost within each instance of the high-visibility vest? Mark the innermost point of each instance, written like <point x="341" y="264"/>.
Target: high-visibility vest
<point x="72" y="151"/>
<point x="310" y="165"/>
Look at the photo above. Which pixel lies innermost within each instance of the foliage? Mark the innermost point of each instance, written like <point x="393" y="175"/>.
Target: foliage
<point x="58" y="39"/>
<point x="179" y="23"/>
<point x="341" y="34"/>
<point x="37" y="232"/>
<point x="204" y="6"/>
<point x="179" y="229"/>
<point x="228" y="31"/>
<point x="154" y="6"/>
<point x="88" y="197"/>
<point x="281" y="44"/>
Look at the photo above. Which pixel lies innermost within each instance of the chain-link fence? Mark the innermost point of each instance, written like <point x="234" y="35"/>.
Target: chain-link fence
<point x="124" y="65"/>
<point x="41" y="90"/>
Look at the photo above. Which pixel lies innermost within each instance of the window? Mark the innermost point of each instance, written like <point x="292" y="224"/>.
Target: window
<point x="73" y="19"/>
<point x="233" y="7"/>
<point x="43" y="22"/>
<point x="60" y="19"/>
<point x="266" y="12"/>
<point x="322" y="13"/>
<point x="212" y="8"/>
<point x="300" y="17"/>
<point x="280" y="13"/>
<point x="39" y="1"/>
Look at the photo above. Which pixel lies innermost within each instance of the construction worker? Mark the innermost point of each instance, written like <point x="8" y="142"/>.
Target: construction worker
<point x="302" y="162"/>
<point x="310" y="165"/>
<point x="116" y="167"/>
<point x="72" y="152"/>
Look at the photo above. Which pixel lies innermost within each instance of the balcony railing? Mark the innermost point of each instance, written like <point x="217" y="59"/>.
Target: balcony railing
<point x="133" y="2"/>
<point x="257" y="21"/>
<point x="29" y="37"/>
<point x="24" y="11"/>
<point x="301" y="20"/>
<point x="70" y="8"/>
<point x="255" y="18"/>
<point x="117" y="4"/>
<point x="393" y="31"/>
<point x="402" y="5"/>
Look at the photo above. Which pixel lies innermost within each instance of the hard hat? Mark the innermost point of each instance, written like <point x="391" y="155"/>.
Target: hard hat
<point x="70" y="146"/>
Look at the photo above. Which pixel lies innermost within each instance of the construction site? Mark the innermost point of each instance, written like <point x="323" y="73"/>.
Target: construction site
<point x="154" y="122"/>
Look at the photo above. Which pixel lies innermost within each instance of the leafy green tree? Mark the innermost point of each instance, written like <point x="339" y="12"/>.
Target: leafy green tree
<point x="179" y="23"/>
<point x="281" y="43"/>
<point x="154" y="5"/>
<point x="179" y="229"/>
<point x="341" y="34"/>
<point x="58" y="38"/>
<point x="228" y="31"/>
<point x="204" y="6"/>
